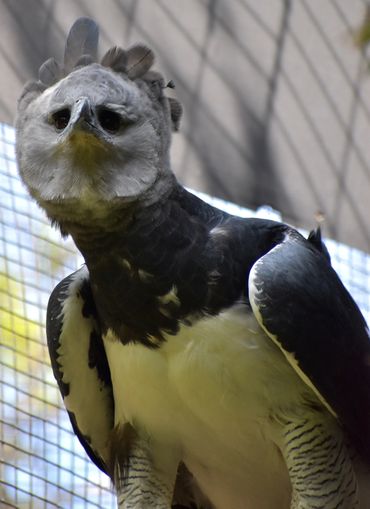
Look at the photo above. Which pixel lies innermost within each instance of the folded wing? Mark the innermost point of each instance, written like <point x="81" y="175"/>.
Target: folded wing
<point x="303" y="306"/>
<point x="80" y="365"/>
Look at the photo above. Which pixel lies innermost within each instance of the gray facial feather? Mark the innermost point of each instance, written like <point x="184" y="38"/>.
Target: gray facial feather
<point x="99" y="137"/>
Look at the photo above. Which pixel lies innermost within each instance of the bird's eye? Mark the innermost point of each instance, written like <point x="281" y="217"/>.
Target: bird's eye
<point x="109" y="120"/>
<point x="61" y="118"/>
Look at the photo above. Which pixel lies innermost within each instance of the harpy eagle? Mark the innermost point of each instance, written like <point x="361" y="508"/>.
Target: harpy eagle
<point x="205" y="360"/>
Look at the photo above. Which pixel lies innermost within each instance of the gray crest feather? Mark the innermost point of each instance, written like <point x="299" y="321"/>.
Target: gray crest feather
<point x="116" y="59"/>
<point x="31" y="90"/>
<point x="50" y="72"/>
<point x="140" y="59"/>
<point x="82" y="40"/>
<point x="176" y="112"/>
<point x="156" y="81"/>
<point x="84" y="60"/>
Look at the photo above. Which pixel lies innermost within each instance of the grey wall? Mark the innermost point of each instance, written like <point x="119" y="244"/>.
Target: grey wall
<point x="275" y="93"/>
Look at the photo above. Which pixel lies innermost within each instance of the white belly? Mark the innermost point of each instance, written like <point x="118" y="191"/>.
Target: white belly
<point x="214" y="392"/>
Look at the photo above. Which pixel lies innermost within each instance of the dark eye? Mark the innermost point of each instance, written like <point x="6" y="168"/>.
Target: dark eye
<point x="61" y="118"/>
<point x="109" y="120"/>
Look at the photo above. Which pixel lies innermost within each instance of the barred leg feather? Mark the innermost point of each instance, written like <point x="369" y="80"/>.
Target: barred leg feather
<point x="320" y="466"/>
<point x="138" y="483"/>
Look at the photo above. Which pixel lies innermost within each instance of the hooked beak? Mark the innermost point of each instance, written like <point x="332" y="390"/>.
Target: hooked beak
<point x="82" y="130"/>
<point x="81" y="122"/>
<point x="82" y="117"/>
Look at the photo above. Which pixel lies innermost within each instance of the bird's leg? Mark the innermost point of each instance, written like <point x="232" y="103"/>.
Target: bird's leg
<point x="294" y="504"/>
<point x="143" y="477"/>
<point x="187" y="494"/>
<point x="319" y="465"/>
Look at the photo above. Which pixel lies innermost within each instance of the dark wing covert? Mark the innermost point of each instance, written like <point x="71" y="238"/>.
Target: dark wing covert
<point x="303" y="306"/>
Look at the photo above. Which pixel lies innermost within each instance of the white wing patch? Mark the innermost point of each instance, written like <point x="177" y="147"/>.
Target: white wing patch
<point x="88" y="397"/>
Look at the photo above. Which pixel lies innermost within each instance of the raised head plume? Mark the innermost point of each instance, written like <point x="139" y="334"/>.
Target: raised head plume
<point x="81" y="49"/>
<point x="140" y="59"/>
<point x="50" y="72"/>
<point x="82" y="40"/>
<point x="116" y="59"/>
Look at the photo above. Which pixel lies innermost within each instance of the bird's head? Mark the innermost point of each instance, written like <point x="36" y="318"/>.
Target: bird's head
<point x="91" y="135"/>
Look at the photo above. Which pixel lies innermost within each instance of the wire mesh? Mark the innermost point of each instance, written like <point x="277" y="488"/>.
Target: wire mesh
<point x="276" y="94"/>
<point x="42" y="462"/>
